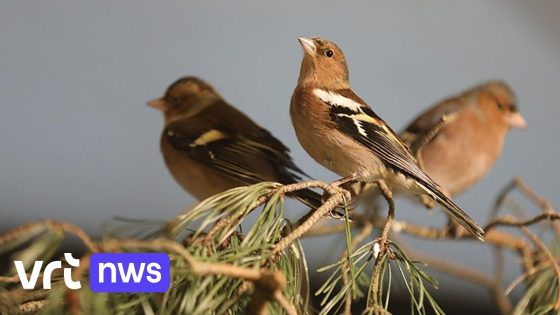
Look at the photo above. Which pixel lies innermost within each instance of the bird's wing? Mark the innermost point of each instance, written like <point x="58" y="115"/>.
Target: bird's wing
<point x="427" y="125"/>
<point x="246" y="155"/>
<point x="355" y="119"/>
<point x="246" y="158"/>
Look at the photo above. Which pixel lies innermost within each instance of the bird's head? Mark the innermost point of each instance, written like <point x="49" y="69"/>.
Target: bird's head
<point x="184" y="98"/>
<point x="323" y="64"/>
<point x="496" y="98"/>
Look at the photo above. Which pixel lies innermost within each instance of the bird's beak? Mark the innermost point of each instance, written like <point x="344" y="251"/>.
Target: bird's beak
<point x="515" y="120"/>
<point x="158" y="103"/>
<point x="308" y="45"/>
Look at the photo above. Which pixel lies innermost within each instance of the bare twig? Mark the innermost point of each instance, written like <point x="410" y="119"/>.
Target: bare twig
<point x="511" y="221"/>
<point x="337" y="197"/>
<point x="544" y="204"/>
<point x="375" y="284"/>
<point x="493" y="236"/>
<point x="500" y="199"/>
<point x="50" y="224"/>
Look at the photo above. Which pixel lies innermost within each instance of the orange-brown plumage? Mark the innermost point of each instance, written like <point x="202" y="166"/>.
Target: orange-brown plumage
<point x="341" y="132"/>
<point x="459" y="139"/>
<point x="209" y="146"/>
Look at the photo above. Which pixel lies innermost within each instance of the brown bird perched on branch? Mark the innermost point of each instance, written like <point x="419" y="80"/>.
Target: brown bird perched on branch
<point x="458" y="140"/>
<point x="209" y="146"/>
<point x="341" y="132"/>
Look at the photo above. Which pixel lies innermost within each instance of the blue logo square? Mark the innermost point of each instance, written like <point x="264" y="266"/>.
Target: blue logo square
<point x="129" y="272"/>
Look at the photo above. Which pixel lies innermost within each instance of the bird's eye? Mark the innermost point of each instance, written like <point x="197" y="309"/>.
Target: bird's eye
<point x="500" y="105"/>
<point x="329" y="53"/>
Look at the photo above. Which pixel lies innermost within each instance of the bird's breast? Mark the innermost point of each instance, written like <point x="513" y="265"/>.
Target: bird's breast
<point x="462" y="153"/>
<point x="330" y="147"/>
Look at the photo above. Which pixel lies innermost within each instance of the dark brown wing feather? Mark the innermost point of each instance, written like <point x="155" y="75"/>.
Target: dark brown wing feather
<point x="244" y="152"/>
<point x="367" y="128"/>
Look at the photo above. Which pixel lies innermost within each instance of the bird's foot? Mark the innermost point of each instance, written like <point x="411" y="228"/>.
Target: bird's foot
<point x="343" y="212"/>
<point x="339" y="213"/>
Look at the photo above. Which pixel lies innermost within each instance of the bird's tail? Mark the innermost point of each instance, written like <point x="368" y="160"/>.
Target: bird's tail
<point x="454" y="211"/>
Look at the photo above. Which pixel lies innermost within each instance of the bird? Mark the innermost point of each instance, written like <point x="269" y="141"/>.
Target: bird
<point x="209" y="146"/>
<point x="340" y="131"/>
<point x="458" y="140"/>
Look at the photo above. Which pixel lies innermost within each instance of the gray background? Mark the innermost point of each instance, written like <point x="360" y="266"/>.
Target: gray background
<point x="77" y="142"/>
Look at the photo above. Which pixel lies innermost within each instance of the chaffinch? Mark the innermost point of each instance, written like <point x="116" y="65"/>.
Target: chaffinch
<point x="209" y="146"/>
<point x="458" y="140"/>
<point x="341" y="132"/>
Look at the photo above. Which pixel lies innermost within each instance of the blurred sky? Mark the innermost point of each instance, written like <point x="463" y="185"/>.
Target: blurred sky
<point x="78" y="143"/>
